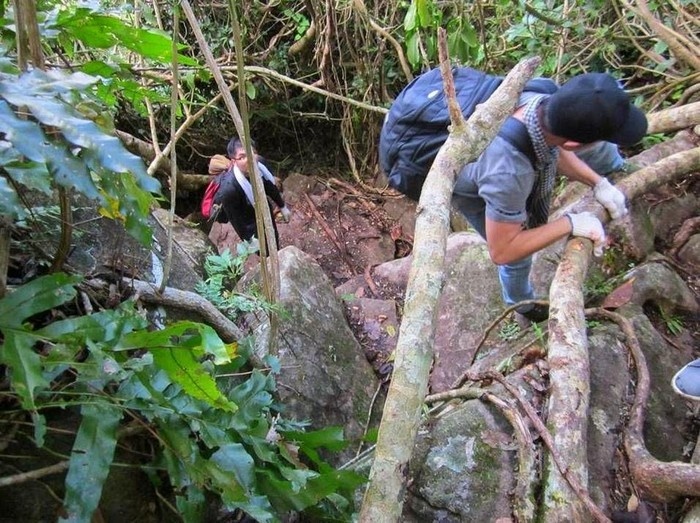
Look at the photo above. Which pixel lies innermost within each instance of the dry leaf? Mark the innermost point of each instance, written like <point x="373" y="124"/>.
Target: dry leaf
<point x="620" y="296"/>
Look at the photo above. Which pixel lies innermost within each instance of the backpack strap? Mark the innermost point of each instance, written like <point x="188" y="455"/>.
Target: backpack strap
<point x="515" y="133"/>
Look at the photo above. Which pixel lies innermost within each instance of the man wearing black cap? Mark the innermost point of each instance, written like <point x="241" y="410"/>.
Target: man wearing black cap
<point x="505" y="196"/>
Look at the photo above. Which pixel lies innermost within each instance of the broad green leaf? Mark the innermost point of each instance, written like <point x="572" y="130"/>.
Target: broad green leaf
<point x="192" y="505"/>
<point x="285" y="498"/>
<point x="40" y="294"/>
<point x="49" y="83"/>
<point x="9" y="202"/>
<point x="469" y="34"/>
<point x="235" y="459"/>
<point x="424" y="10"/>
<point x="329" y="437"/>
<point x="182" y="449"/>
<point x="28" y="138"/>
<point x="176" y="350"/>
<point x="33" y="175"/>
<point x="125" y="200"/>
<point x="17" y="352"/>
<point x="185" y="370"/>
<point x="257" y="507"/>
<point x="91" y="457"/>
<point x="106" y="327"/>
<point x="104" y="31"/>
<point x="79" y="131"/>
<point x="253" y="398"/>
<point x="412" y="51"/>
<point x="411" y="19"/>
<point x="208" y="341"/>
<point x="99" y="68"/>
<point x="25" y="135"/>
<point x="250" y="90"/>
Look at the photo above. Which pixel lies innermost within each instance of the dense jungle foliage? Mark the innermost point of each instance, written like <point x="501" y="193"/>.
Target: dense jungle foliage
<point x="86" y="95"/>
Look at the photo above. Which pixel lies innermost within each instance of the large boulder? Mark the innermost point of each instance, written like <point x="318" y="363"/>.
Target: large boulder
<point x="103" y="246"/>
<point x="459" y="471"/>
<point x="325" y="377"/>
<point x="470" y="301"/>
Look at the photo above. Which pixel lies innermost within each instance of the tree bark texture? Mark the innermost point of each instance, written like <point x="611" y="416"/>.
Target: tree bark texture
<point x="662" y="172"/>
<point x="383" y="501"/>
<point x="569" y="371"/>
<point x="568" y="358"/>
<point x="674" y="119"/>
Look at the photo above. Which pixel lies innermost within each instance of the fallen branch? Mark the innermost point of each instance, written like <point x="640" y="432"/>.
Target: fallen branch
<point x="567" y="408"/>
<point x="523" y="493"/>
<point x="674" y="119"/>
<point x="179" y="299"/>
<point x="34" y="474"/>
<point x="383" y="500"/>
<point x="665" y="171"/>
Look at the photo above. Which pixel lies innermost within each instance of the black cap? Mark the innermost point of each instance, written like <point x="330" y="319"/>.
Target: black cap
<point x="592" y="107"/>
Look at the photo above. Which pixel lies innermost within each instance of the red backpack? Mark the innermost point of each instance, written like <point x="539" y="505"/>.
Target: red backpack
<point x="218" y="165"/>
<point x="208" y="199"/>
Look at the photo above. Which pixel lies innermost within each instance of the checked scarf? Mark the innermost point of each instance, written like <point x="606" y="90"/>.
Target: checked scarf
<point x="545" y="167"/>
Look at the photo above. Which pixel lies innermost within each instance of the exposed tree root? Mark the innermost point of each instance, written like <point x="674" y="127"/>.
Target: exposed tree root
<point x="689" y="227"/>
<point x="567" y="408"/>
<point x="564" y="468"/>
<point x="658" y="480"/>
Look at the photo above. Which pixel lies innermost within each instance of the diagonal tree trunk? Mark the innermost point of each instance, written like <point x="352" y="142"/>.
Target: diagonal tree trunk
<point x="383" y="501"/>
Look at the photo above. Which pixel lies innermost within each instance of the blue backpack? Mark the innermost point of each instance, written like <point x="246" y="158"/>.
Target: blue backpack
<point x="416" y="126"/>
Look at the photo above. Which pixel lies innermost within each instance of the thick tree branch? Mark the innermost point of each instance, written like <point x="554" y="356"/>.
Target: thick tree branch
<point x="567" y="413"/>
<point x="674" y="119"/>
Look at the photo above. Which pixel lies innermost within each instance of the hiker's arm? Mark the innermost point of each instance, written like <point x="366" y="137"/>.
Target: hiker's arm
<point x="509" y="242"/>
<point x="273" y="192"/>
<point x="576" y="169"/>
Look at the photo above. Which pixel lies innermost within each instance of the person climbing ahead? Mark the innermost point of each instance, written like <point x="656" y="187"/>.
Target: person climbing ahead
<point x="505" y="196"/>
<point x="235" y="194"/>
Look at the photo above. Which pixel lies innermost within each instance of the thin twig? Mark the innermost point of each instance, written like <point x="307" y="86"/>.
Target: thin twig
<point x="34" y="474"/>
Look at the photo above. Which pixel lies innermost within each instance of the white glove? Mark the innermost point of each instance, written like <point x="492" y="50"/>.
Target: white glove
<point x="286" y="213"/>
<point x="587" y="225"/>
<point x="611" y="198"/>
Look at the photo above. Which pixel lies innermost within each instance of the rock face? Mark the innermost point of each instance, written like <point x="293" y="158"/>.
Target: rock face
<point x="325" y="376"/>
<point x="459" y="473"/>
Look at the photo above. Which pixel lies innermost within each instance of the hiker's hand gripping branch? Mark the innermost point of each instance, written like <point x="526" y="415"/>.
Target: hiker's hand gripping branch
<point x="587" y="225"/>
<point x="611" y="198"/>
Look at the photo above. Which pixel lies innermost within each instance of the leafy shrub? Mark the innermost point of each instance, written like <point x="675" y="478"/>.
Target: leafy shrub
<point x="111" y="367"/>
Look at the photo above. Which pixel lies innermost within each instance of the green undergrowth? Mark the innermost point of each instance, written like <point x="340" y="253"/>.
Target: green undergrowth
<point x="215" y="422"/>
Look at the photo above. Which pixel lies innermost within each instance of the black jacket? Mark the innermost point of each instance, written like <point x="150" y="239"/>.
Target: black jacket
<point x="236" y="209"/>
